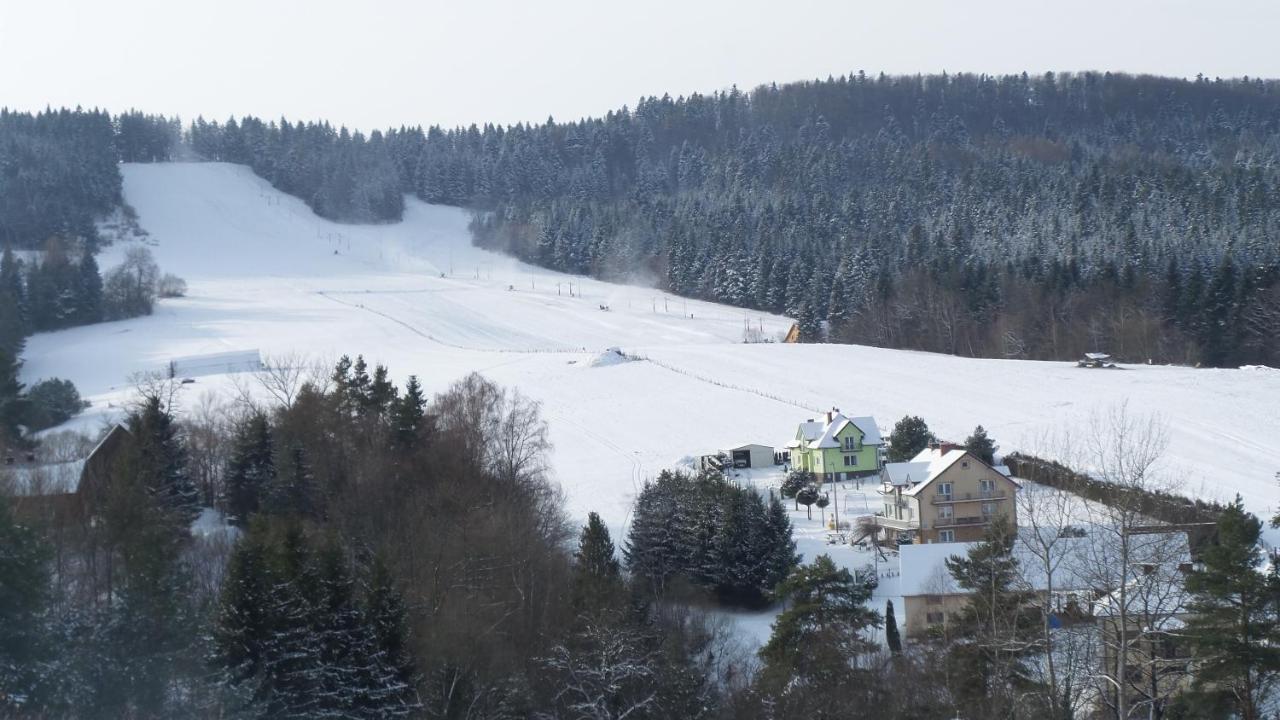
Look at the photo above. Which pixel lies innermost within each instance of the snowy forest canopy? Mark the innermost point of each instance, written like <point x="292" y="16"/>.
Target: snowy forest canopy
<point x="1014" y="216"/>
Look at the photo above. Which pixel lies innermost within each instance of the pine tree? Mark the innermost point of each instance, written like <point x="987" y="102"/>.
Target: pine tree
<point x="781" y="557"/>
<point x="295" y="492"/>
<point x="995" y="623"/>
<point x="891" y="636"/>
<point x="251" y="472"/>
<point x="408" y="414"/>
<point x="818" y="637"/>
<point x="382" y="393"/>
<point x="386" y="615"/>
<point x="88" y="291"/>
<point x="1233" y="618"/>
<point x="910" y="435"/>
<point x="158" y="458"/>
<point x="597" y="574"/>
<point x="981" y="445"/>
<point x="292" y="673"/>
<point x="24" y="596"/>
<point x="243" y="623"/>
<point x="151" y="629"/>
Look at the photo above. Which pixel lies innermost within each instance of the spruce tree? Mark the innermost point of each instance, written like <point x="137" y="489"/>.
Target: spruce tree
<point x="88" y="290"/>
<point x="25" y="653"/>
<point x="891" y="636"/>
<point x="818" y="637"/>
<point x="158" y="458"/>
<point x="1233" y="617"/>
<point x="910" y="435"/>
<point x="295" y="492"/>
<point x="781" y="557"/>
<point x="243" y="623"/>
<point x="251" y="472"/>
<point x="981" y="445"/>
<point x="408" y="414"/>
<point x="597" y="574"/>
<point x="995" y="624"/>
<point x="386" y="615"/>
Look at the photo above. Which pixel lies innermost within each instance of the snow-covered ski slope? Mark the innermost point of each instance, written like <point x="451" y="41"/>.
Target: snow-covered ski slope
<point x="263" y="274"/>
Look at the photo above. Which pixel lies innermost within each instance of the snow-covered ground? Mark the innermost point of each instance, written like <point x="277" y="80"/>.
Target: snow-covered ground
<point x="265" y="273"/>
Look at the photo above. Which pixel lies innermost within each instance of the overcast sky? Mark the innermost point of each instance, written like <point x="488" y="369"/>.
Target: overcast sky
<point x="376" y="63"/>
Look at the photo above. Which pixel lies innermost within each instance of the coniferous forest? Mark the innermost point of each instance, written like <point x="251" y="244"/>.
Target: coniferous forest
<point x="1014" y="216"/>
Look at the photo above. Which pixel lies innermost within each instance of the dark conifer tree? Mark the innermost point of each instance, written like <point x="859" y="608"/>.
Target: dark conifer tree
<point x="25" y="653"/>
<point x="159" y="460"/>
<point x="910" y="435"/>
<point x="251" y="472"/>
<point x="408" y="414"/>
<point x="981" y="445"/>
<point x="1234" y="622"/>
<point x="295" y="492"/>
<point x="891" y="636"/>
<point x="595" y="562"/>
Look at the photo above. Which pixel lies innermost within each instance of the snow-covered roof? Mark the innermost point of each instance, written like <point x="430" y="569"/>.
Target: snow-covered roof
<point x="1097" y="356"/>
<point x="870" y="433"/>
<point x="937" y="462"/>
<point x="907" y="473"/>
<point x="54" y="478"/>
<point x="810" y="430"/>
<point x="1155" y="567"/>
<point x="924" y="568"/>
<point x="819" y="435"/>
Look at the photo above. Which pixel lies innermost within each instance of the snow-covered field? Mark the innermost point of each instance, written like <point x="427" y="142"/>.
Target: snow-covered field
<point x="416" y="296"/>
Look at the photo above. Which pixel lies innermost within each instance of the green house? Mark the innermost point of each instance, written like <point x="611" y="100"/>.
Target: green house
<point x="836" y="447"/>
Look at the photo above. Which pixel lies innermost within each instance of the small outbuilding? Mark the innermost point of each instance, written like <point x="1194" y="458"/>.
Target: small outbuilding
<point x="1096" y="360"/>
<point x="752" y="456"/>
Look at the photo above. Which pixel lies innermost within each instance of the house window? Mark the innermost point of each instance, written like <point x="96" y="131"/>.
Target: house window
<point x="888" y="510"/>
<point x="987" y="488"/>
<point x="851" y="443"/>
<point x="944" y="491"/>
<point x="933" y="618"/>
<point x="988" y="509"/>
<point x="947" y="536"/>
<point x="851" y="460"/>
<point x="945" y="512"/>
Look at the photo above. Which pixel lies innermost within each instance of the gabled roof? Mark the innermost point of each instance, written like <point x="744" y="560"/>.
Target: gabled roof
<point x="923" y="568"/>
<point x="56" y="478"/>
<point x="819" y="435"/>
<point x="907" y="473"/>
<point x="60" y="478"/>
<point x="937" y="463"/>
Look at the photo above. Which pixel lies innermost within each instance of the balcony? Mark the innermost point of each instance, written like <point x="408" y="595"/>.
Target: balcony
<point x="896" y="523"/>
<point x="961" y="521"/>
<point x="968" y="497"/>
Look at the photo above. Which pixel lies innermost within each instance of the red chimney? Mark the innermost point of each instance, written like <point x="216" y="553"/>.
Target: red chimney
<point x="946" y="447"/>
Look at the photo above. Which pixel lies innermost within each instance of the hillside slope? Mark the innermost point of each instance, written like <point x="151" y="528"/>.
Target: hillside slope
<point x="419" y="298"/>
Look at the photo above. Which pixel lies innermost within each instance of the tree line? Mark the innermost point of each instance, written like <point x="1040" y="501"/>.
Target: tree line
<point x="58" y="288"/>
<point x="997" y="216"/>
<point x="380" y="554"/>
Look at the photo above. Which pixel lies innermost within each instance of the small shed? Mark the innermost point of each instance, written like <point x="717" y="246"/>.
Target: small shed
<point x="1096" y="360"/>
<point x="752" y="456"/>
<point x="793" y="334"/>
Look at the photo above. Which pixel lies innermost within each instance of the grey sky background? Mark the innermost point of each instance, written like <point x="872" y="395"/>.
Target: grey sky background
<point x="381" y="63"/>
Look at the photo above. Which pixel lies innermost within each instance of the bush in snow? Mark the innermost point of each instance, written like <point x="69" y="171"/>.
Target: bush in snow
<point x="171" y="286"/>
<point x="52" y="402"/>
<point x="130" y="289"/>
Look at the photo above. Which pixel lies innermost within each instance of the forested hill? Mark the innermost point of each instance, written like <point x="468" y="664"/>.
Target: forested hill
<point x="989" y="216"/>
